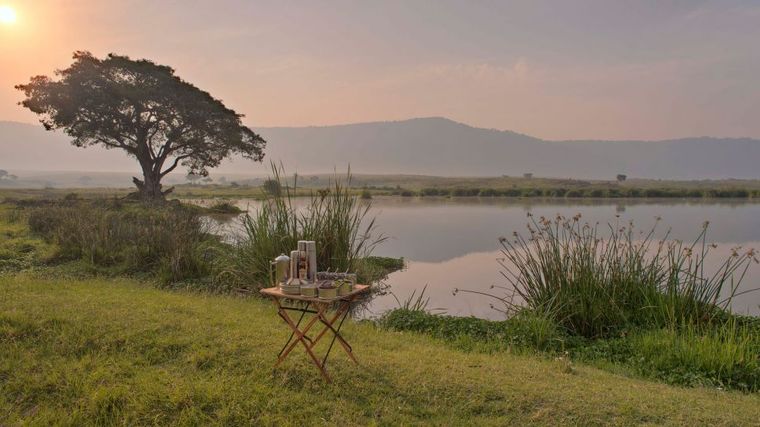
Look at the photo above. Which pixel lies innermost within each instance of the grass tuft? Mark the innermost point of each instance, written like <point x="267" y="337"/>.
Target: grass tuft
<point x="598" y="284"/>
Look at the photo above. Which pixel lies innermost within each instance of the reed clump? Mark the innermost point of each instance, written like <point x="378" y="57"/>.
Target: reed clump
<point x="597" y="283"/>
<point x="336" y="219"/>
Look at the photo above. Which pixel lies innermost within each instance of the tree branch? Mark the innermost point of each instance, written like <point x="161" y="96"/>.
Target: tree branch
<point x="117" y="144"/>
<point x="174" y="165"/>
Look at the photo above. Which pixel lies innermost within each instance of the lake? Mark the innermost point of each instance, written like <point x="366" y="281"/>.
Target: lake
<point x="453" y="243"/>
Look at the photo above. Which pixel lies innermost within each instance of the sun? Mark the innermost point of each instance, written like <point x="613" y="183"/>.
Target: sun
<point x="7" y="15"/>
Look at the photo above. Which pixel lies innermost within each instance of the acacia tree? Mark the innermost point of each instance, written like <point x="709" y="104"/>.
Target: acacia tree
<point x="144" y="109"/>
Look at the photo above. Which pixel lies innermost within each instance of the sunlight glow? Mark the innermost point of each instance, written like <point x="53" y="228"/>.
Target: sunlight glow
<point x="7" y="15"/>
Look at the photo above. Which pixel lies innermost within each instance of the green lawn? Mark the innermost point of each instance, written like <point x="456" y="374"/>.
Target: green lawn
<point x="79" y="352"/>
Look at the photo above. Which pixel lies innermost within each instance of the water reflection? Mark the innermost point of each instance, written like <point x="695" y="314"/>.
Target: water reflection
<point x="453" y="243"/>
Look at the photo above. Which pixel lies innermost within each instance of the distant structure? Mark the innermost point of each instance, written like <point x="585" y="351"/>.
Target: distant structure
<point x="621" y="177"/>
<point x="528" y="175"/>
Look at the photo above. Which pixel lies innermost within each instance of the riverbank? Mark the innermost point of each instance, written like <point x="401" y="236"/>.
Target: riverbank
<point x="430" y="186"/>
<point x="118" y="351"/>
<point x="77" y="243"/>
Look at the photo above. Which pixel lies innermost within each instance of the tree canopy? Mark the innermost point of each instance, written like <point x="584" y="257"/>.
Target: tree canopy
<point x="144" y="109"/>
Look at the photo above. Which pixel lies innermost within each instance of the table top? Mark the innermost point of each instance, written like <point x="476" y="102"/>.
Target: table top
<point x="276" y="292"/>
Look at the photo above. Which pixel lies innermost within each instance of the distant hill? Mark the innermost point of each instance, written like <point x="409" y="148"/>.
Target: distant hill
<point x="437" y="146"/>
<point x="431" y="146"/>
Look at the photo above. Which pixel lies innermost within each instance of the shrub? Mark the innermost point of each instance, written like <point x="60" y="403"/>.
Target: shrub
<point x="531" y="192"/>
<point x="614" y="193"/>
<point x="224" y="208"/>
<point x="559" y="192"/>
<point x="272" y="187"/>
<point x="387" y="264"/>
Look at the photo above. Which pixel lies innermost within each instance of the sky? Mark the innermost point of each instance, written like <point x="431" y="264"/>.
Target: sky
<point x="571" y="69"/>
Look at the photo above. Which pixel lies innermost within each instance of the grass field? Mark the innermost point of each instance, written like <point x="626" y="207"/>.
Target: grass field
<point x="420" y="185"/>
<point x="81" y="352"/>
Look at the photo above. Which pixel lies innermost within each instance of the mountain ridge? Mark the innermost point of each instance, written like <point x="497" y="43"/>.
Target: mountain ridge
<point x="424" y="146"/>
<point x="446" y="119"/>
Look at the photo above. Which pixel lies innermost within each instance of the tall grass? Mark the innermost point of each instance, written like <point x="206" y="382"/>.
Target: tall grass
<point x="726" y="356"/>
<point x="169" y="240"/>
<point x="415" y="302"/>
<point x="334" y="218"/>
<point x="596" y="284"/>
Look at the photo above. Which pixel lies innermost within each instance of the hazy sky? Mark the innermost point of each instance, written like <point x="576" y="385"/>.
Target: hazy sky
<point x="552" y="69"/>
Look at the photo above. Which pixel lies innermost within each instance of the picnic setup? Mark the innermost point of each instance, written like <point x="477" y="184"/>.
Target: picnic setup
<point x="297" y="287"/>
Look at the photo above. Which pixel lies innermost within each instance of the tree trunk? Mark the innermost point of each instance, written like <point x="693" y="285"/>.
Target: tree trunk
<point x="149" y="188"/>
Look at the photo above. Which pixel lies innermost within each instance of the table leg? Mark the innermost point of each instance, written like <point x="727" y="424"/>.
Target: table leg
<point x="300" y="335"/>
<point x="324" y="330"/>
<point x="303" y="313"/>
<point x="300" y="338"/>
<point x="336" y="335"/>
<point x="341" y="313"/>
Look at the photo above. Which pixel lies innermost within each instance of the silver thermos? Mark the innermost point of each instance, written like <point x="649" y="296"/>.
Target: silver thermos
<point x="281" y="269"/>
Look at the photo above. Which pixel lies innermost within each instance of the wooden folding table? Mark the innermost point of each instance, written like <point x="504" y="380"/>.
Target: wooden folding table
<point x="319" y="308"/>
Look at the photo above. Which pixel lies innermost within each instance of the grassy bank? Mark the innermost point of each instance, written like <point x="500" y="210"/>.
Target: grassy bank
<point x="720" y="357"/>
<point x="119" y="352"/>
<point x="615" y="296"/>
<point x="428" y="186"/>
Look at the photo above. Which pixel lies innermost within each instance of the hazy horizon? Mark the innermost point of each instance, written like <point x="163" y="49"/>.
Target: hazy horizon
<point x="423" y="146"/>
<point x="602" y="70"/>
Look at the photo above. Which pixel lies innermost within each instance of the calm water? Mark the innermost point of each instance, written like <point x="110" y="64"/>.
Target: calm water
<point x="453" y="243"/>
